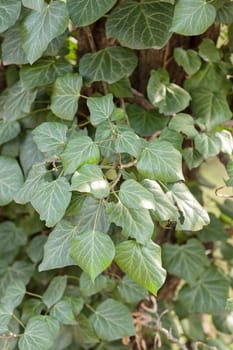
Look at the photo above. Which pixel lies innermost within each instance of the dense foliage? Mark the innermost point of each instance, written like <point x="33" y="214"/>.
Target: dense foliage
<point x="101" y="206"/>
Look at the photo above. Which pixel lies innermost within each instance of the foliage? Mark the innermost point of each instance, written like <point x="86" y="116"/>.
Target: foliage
<point x="99" y="188"/>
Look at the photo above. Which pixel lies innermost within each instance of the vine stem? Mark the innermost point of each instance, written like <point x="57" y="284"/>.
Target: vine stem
<point x="90" y="38"/>
<point x="128" y="165"/>
<point x="18" y="320"/>
<point x="34" y="295"/>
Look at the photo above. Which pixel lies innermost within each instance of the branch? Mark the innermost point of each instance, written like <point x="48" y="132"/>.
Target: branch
<point x="140" y="100"/>
<point x="127" y="165"/>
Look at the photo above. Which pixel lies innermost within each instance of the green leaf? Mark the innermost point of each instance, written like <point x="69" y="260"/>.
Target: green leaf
<point x="93" y="251"/>
<point x="89" y="178"/>
<point x="211" y="108"/>
<point x="112" y="320"/>
<point x="188" y="59"/>
<point x="128" y="142"/>
<point x="208" y="294"/>
<point x="37" y="5"/>
<point x="57" y="247"/>
<point x="79" y="151"/>
<point x="159" y="160"/>
<point x="121" y="88"/>
<point x="136" y="223"/>
<point x="187" y="261"/>
<point x="11" y="237"/>
<point x="43" y="72"/>
<point x="65" y="96"/>
<point x="36" y="247"/>
<point x="164" y="207"/>
<point x="225" y="13"/>
<point x="110" y="64"/>
<point x="209" y="52"/>
<point x="147" y="260"/>
<point x="207" y="145"/>
<point x="84" y="332"/>
<point x="18" y="101"/>
<point x="215" y="231"/>
<point x="29" y="154"/>
<point x="63" y="312"/>
<point x="12" y="51"/>
<point x="183" y="123"/>
<point x="51" y="137"/>
<point x="55" y="291"/>
<point x="145" y="122"/>
<point x="193" y="17"/>
<point x="85" y="12"/>
<point x="9" y="13"/>
<point x="11" y="179"/>
<point x="130" y="291"/>
<point x="40" y="28"/>
<point x="40" y="333"/>
<point x="88" y="288"/>
<point x="135" y="196"/>
<point x="100" y="108"/>
<point x="194" y="216"/>
<point x="51" y="200"/>
<point x="8" y="130"/>
<point x="141" y="25"/>
<point x="14" y="294"/>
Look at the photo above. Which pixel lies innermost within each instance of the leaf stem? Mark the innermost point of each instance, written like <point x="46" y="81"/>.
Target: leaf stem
<point x="18" y="320"/>
<point x="34" y="295"/>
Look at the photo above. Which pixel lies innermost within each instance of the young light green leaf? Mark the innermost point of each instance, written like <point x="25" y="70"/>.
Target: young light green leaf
<point x="12" y="51"/>
<point x="93" y="251"/>
<point x="136" y="223"/>
<point x="85" y="12"/>
<point x="57" y="247"/>
<point x="40" y="28"/>
<point x="159" y="160"/>
<point x="110" y="64"/>
<point x="208" y="294"/>
<point x="51" y="199"/>
<point x="135" y="196"/>
<point x="188" y="59"/>
<point x="141" y="25"/>
<point x="79" y="151"/>
<point x="63" y="312"/>
<point x="193" y="17"/>
<point x="187" y="261"/>
<point x="11" y="237"/>
<point x="194" y="216"/>
<point x="8" y="130"/>
<point x="183" y="123"/>
<point x="100" y="108"/>
<point x="142" y="264"/>
<point x="50" y="137"/>
<point x="43" y="72"/>
<point x="65" y="96"/>
<point x="9" y="13"/>
<point x="40" y="333"/>
<point x="112" y="320"/>
<point x="128" y="142"/>
<point x="131" y="291"/>
<point x="55" y="291"/>
<point x="37" y="5"/>
<point x="89" y="178"/>
<point x="11" y="179"/>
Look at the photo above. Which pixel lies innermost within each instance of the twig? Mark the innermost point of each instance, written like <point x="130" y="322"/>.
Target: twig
<point x="127" y="165"/>
<point x="140" y="99"/>
<point x="90" y="38"/>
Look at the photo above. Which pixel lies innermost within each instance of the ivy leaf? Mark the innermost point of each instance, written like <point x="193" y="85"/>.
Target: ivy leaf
<point x="89" y="178"/>
<point x="159" y="160"/>
<point x="65" y="96"/>
<point x="112" y="320"/>
<point x="37" y="5"/>
<point x="43" y="72"/>
<point x="63" y="312"/>
<point x="211" y="108"/>
<point x="207" y="145"/>
<point x="35" y="248"/>
<point x="193" y="17"/>
<point x="9" y="13"/>
<point x="55" y="291"/>
<point x="209" y="52"/>
<point x="110" y="64"/>
<point x="188" y="59"/>
<point x="135" y="196"/>
<point x="141" y="25"/>
<point x="225" y="13"/>
<point x="79" y="151"/>
<point x="86" y="12"/>
<point x="51" y="200"/>
<point x="131" y="291"/>
<point x="136" y="223"/>
<point x="40" y="28"/>
<point x="183" y="123"/>
<point x="50" y="137"/>
<point x="8" y="130"/>
<point x="208" y="294"/>
<point x="12" y="51"/>
<point x="29" y="154"/>
<point x="11" y="179"/>
<point x="88" y="288"/>
<point x="93" y="251"/>
<point x="142" y="264"/>
<point x="11" y="237"/>
<point x="14" y="294"/>
<point x="187" y="261"/>
<point x="100" y="108"/>
<point x="40" y="333"/>
<point x="57" y="247"/>
<point x="85" y="332"/>
<point x="128" y="142"/>
<point x="194" y="216"/>
<point x="213" y="232"/>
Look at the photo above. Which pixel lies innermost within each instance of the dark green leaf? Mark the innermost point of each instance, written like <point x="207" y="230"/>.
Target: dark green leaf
<point x="215" y="231"/>
<point x="130" y="291"/>
<point x="209" y="52"/>
<point x="35" y="248"/>
<point x="55" y="291"/>
<point x="12" y="51"/>
<point x="37" y="5"/>
<point x="100" y="108"/>
<point x="11" y="237"/>
<point x="8" y="130"/>
<point x="9" y="13"/>
<point x="63" y="312"/>
<point x="188" y="59"/>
